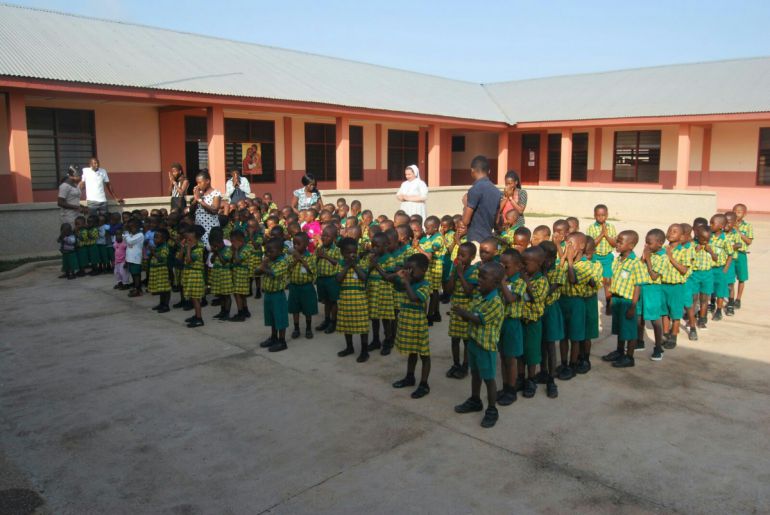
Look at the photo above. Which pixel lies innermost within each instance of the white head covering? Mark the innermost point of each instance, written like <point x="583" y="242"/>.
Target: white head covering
<point x="415" y="170"/>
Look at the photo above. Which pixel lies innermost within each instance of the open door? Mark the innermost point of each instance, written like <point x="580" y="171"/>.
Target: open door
<point x="530" y="158"/>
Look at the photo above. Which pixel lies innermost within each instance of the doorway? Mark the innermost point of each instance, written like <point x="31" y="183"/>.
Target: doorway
<point x="530" y="158"/>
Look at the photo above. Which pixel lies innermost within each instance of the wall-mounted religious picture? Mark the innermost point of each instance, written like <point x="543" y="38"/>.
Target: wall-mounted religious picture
<point x="252" y="158"/>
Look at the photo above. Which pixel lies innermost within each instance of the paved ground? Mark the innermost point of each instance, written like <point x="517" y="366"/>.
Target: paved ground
<point x="107" y="407"/>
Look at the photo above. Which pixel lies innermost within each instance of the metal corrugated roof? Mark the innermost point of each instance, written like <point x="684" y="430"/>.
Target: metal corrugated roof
<point x="48" y="45"/>
<point x="719" y="87"/>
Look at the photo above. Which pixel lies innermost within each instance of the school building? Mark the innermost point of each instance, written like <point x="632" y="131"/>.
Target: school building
<point x="142" y="98"/>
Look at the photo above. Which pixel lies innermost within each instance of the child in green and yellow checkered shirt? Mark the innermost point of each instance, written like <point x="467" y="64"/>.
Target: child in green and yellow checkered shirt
<point x="704" y="258"/>
<point x="573" y="307"/>
<point x="255" y="238"/>
<point x="603" y="234"/>
<point x="650" y="304"/>
<point x="591" y="299"/>
<point x="746" y="233"/>
<point x="243" y="264"/>
<point x="534" y="298"/>
<point x="302" y="294"/>
<point x="511" y="344"/>
<point x="158" y="281"/>
<point x="553" y="322"/>
<point x="447" y="231"/>
<point x="193" y="276"/>
<point x="722" y="247"/>
<point x="431" y="245"/>
<point x="274" y="273"/>
<point x="328" y="259"/>
<point x="463" y="279"/>
<point x="673" y="278"/>
<point x="485" y="318"/>
<point x="220" y="273"/>
<point x="736" y="243"/>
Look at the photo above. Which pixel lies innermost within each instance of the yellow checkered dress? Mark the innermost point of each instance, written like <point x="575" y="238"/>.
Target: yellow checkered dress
<point x="379" y="292"/>
<point x="626" y="275"/>
<point x="158" y="281"/>
<point x="489" y="309"/>
<point x="434" y="245"/>
<point x="458" y="327"/>
<point x="534" y="298"/>
<point x="671" y="275"/>
<point x="556" y="275"/>
<point x="399" y="259"/>
<point x="352" y="308"/>
<point x="595" y="229"/>
<point x="257" y="242"/>
<point x="412" y="332"/>
<point x="193" y="280"/>
<point x="747" y="230"/>
<point x="582" y="274"/>
<point x="243" y="269"/>
<point x="220" y="275"/>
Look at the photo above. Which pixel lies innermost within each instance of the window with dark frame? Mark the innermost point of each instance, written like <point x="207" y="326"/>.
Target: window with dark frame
<point x="579" y="157"/>
<point x="321" y="150"/>
<point x="763" y="159"/>
<point x="356" y="153"/>
<point x="238" y="132"/>
<point x="403" y="148"/>
<point x="458" y="143"/>
<point x="57" y="139"/>
<point x="636" y="156"/>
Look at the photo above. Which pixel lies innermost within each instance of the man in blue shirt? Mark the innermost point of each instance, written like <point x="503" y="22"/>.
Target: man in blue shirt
<point x="481" y="203"/>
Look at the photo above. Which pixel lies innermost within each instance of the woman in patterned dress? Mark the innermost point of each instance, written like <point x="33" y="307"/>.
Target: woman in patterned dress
<point x="206" y="201"/>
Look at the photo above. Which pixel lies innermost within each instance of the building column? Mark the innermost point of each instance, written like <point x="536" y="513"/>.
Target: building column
<point x="378" y="149"/>
<point x="421" y="164"/>
<point x="18" y="146"/>
<point x="434" y="156"/>
<point x="706" y="157"/>
<point x="683" y="157"/>
<point x="502" y="156"/>
<point x="288" y="165"/>
<point x="343" y="153"/>
<point x="565" y="174"/>
<point x="215" y="125"/>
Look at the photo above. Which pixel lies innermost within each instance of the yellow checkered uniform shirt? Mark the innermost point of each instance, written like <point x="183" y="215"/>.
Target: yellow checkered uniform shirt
<point x="595" y="229"/>
<point x="583" y="275"/>
<point x="517" y="286"/>
<point x="747" y="230"/>
<point x="456" y="248"/>
<point x="721" y="247"/>
<point x="669" y="274"/>
<point x="556" y="276"/>
<point x="507" y="237"/>
<point x="734" y="236"/>
<point x="299" y="273"/>
<point x="433" y="245"/>
<point x="656" y="261"/>
<point x="324" y="268"/>
<point x="597" y="272"/>
<point x="489" y="309"/>
<point x="701" y="260"/>
<point x="534" y="298"/>
<point x="626" y="276"/>
<point x="276" y="280"/>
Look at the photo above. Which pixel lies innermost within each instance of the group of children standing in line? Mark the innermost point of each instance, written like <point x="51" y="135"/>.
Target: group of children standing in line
<point x="516" y="294"/>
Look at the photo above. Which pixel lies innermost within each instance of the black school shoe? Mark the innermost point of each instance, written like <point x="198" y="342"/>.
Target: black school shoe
<point x="164" y="309"/>
<point x="363" y="357"/>
<point x="712" y="307"/>
<point x="701" y="323"/>
<point x="246" y="313"/>
<point x="640" y="345"/>
<point x="530" y="387"/>
<point x="518" y="386"/>
<point x="737" y="304"/>
<point x="624" y="362"/>
<point x="278" y="346"/>
<point x="462" y="372"/>
<point x="583" y="366"/>
<point x="386" y="348"/>
<point x="506" y="396"/>
<point x="268" y="343"/>
<point x="222" y="315"/>
<point x="541" y="377"/>
<point x="421" y="391"/>
<point x="323" y="325"/>
<point x="309" y="333"/>
<point x="551" y="390"/>
<point x="195" y="322"/>
<point x="451" y="372"/>
<point x="730" y="309"/>
<point x="469" y="406"/>
<point x="612" y="356"/>
<point x="375" y="345"/>
<point x="189" y="319"/>
<point x="566" y="373"/>
<point x="670" y="342"/>
<point x="239" y="317"/>
<point x="332" y="327"/>
<point x="693" y="335"/>
<point x="295" y="333"/>
<point x="490" y="418"/>
<point x="657" y="354"/>
<point x="717" y="316"/>
<point x="403" y="383"/>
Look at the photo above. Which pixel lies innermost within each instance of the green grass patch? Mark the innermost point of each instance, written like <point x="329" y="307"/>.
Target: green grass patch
<point x="6" y="265"/>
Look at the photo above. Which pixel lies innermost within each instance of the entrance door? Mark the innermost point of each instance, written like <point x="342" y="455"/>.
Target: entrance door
<point x="530" y="158"/>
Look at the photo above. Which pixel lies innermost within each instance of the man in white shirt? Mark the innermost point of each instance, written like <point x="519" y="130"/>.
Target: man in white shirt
<point x="95" y="180"/>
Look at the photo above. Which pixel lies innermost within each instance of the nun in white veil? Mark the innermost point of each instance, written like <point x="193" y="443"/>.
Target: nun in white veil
<point x="413" y="192"/>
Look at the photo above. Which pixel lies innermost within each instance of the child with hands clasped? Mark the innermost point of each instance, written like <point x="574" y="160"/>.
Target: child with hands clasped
<point x="603" y="233"/>
<point x="352" y="308"/>
<point x="379" y="293"/>
<point x="463" y="280"/>
<point x="673" y="278"/>
<point x="485" y="318"/>
<point x="158" y="277"/>
<point x="221" y="275"/>
<point x="242" y="264"/>
<point x="511" y="344"/>
<point x="274" y="272"/>
<point x="302" y="295"/>
<point x="193" y="276"/>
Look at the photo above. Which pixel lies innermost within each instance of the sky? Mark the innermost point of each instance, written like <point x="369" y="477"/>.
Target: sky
<point x="478" y="41"/>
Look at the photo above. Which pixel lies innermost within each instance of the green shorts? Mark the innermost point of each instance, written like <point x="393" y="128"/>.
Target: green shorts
<point x="328" y="289"/>
<point x="533" y="338"/>
<point x="720" y="282"/>
<point x="134" y="268"/>
<point x="573" y="310"/>
<point x="553" y="323"/>
<point x="650" y="304"/>
<point x="592" y="317"/>
<point x="606" y="262"/>
<point x="275" y="310"/>
<point x="731" y="276"/>
<point x="511" y="338"/>
<point x="622" y="326"/>
<point x="303" y="299"/>
<point x="484" y="362"/>
<point x="742" y="267"/>
<point x="673" y="299"/>
<point x="702" y="282"/>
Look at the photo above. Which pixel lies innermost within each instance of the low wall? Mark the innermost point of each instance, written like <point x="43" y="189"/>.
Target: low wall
<point x="32" y="229"/>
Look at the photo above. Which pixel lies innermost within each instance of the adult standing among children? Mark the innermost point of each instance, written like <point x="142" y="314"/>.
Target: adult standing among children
<point x="413" y="193"/>
<point x="514" y="198"/>
<point x="178" y="187"/>
<point x="480" y="204"/>
<point x="307" y="196"/>
<point x="96" y="181"/>
<point x="69" y="196"/>
<point x="206" y="201"/>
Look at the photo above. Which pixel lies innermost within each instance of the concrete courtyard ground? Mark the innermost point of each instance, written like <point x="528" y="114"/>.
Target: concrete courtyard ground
<point x="107" y="407"/>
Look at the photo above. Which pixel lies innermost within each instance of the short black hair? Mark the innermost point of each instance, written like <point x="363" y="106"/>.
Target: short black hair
<point x="600" y="206"/>
<point x="276" y="243"/>
<point x="302" y="236"/>
<point x="346" y="243"/>
<point x="512" y="253"/>
<point x="494" y="268"/>
<point x="470" y="247"/>
<point x="657" y="234"/>
<point x="162" y="232"/>
<point x="433" y="219"/>
<point x="480" y="163"/>
<point x="418" y="260"/>
<point x="523" y="230"/>
<point x="700" y="221"/>
<point x="549" y="248"/>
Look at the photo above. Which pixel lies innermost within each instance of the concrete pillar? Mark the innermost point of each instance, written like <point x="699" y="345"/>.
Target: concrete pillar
<point x="378" y="150"/>
<point x="343" y="153"/>
<point x="215" y="125"/>
<point x="565" y="174"/>
<point x="706" y="157"/>
<point x="502" y="156"/>
<point x="288" y="165"/>
<point x="683" y="157"/>
<point x="434" y="156"/>
<point x="421" y="164"/>
<point x="18" y="146"/>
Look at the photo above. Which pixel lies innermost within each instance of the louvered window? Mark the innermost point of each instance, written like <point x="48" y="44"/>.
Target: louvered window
<point x="402" y="152"/>
<point x="763" y="161"/>
<point x="637" y="156"/>
<point x="579" y="156"/>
